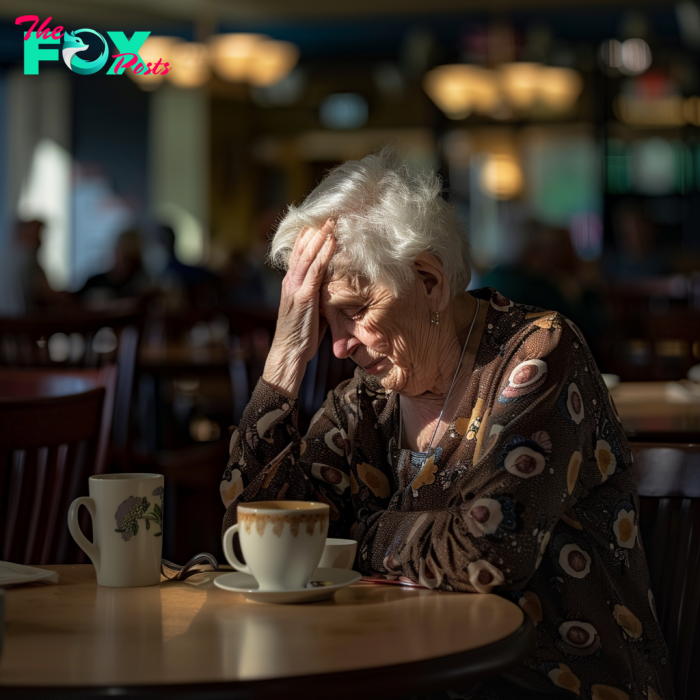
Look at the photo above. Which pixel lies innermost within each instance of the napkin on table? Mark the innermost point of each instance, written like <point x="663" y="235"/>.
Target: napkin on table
<point x="14" y="574"/>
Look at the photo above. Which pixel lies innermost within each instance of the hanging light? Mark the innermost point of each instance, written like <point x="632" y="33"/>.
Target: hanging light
<point x="448" y="88"/>
<point x="635" y="57"/>
<point x="153" y="49"/>
<point x="272" y="61"/>
<point x="459" y="89"/>
<point x="501" y="177"/>
<point x="232" y="54"/>
<point x="485" y="89"/>
<point x="520" y="82"/>
<point x="190" y="65"/>
<point x="559" y="88"/>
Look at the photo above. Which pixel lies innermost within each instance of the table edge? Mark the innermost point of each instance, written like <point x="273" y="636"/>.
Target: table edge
<point x="445" y="672"/>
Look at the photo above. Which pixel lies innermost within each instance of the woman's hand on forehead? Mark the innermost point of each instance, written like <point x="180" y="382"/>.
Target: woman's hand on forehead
<point x="300" y="326"/>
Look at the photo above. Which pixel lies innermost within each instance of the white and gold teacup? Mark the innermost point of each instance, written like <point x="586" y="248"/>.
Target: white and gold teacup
<point x="282" y="542"/>
<point x="338" y="554"/>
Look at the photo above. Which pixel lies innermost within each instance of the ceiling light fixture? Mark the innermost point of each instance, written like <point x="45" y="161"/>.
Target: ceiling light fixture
<point x="458" y="89"/>
<point x="240" y="58"/>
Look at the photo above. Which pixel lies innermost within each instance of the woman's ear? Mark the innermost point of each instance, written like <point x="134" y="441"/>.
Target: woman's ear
<point x="434" y="282"/>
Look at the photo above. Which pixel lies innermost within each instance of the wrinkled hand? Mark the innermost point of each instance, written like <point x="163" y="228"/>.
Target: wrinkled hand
<point x="300" y="328"/>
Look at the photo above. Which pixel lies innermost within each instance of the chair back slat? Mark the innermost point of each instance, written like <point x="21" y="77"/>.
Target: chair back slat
<point x="689" y="609"/>
<point x="49" y="448"/>
<point x="668" y="482"/>
<point x="55" y="477"/>
<point x="36" y="502"/>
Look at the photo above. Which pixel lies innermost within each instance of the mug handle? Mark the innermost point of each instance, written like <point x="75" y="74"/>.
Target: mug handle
<point x="229" y="553"/>
<point x="83" y="542"/>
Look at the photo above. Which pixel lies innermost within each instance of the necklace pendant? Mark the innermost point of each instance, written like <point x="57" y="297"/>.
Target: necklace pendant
<point x="418" y="459"/>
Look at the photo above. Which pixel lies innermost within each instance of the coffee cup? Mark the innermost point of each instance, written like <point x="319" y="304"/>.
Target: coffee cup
<point x="127" y="524"/>
<point x="282" y="542"/>
<point x="338" y="554"/>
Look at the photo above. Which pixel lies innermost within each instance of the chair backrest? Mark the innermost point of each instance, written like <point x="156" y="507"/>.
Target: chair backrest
<point x="48" y="449"/>
<point x="323" y="374"/>
<point x="668" y="482"/>
<point x="675" y="342"/>
<point x="79" y="339"/>
<point x="239" y="337"/>
<point x="639" y="346"/>
<point x="46" y="382"/>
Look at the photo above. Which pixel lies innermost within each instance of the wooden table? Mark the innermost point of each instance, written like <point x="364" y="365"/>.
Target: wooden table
<point x="658" y="411"/>
<point x="175" y="359"/>
<point x="78" y="639"/>
<point x="42" y="383"/>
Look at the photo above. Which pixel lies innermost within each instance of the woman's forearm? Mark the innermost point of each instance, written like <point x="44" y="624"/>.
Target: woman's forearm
<point x="284" y="376"/>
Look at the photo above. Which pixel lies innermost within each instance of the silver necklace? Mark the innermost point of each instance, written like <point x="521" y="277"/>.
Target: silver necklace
<point x="420" y="458"/>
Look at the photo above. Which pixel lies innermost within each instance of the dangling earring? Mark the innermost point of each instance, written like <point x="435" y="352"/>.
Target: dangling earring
<point x="434" y="318"/>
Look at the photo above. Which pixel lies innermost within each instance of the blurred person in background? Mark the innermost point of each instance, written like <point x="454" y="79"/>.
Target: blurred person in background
<point x="476" y="448"/>
<point x="24" y="289"/>
<point x="638" y="254"/>
<point x="125" y="279"/>
<point x="243" y="281"/>
<point x="548" y="274"/>
<point x="184" y="286"/>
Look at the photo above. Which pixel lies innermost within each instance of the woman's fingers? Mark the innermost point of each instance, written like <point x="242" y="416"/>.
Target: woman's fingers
<point x="311" y="250"/>
<point x="317" y="270"/>
<point x="302" y="238"/>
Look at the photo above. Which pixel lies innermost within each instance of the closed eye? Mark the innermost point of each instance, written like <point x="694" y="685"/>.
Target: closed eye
<point x="356" y="315"/>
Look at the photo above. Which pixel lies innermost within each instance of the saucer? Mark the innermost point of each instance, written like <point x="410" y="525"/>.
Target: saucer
<point x="324" y="583"/>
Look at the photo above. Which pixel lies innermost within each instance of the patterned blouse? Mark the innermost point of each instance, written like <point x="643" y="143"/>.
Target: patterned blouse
<point x="530" y="496"/>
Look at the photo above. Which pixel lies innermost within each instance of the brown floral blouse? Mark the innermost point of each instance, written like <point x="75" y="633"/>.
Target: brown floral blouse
<point x="530" y="496"/>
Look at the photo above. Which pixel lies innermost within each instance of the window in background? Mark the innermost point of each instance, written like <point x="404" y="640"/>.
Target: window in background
<point x="37" y="134"/>
<point x="99" y="217"/>
<point x="179" y="168"/>
<point x="46" y="196"/>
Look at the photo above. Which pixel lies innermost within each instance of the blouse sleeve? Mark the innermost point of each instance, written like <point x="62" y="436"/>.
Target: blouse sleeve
<point x="269" y="460"/>
<point x="536" y="459"/>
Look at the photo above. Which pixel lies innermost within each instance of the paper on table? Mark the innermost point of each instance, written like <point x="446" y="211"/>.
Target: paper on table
<point x="14" y="574"/>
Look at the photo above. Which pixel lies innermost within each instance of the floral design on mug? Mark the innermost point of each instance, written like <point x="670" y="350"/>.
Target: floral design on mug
<point x="157" y="515"/>
<point x="135" y="508"/>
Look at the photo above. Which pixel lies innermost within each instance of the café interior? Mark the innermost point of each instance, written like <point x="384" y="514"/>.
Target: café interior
<point x="138" y="308"/>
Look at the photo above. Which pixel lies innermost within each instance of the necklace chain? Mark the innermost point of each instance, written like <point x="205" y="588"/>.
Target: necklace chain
<point x="428" y="453"/>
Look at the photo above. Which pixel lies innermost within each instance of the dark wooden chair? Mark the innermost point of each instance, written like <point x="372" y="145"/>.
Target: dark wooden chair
<point x="639" y="347"/>
<point x="194" y="511"/>
<point x="48" y="449"/>
<point x="675" y="345"/>
<point x="46" y="382"/>
<point x="668" y="481"/>
<point x="323" y="374"/>
<point x="79" y="339"/>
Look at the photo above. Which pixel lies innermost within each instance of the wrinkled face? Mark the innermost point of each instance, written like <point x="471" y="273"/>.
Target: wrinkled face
<point x="387" y="336"/>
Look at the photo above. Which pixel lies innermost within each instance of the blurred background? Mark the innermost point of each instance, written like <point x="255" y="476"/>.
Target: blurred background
<point x="568" y="139"/>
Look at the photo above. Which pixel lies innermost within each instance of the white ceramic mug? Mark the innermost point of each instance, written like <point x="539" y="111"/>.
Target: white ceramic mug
<point x="282" y="542"/>
<point x="338" y="554"/>
<point x="127" y="525"/>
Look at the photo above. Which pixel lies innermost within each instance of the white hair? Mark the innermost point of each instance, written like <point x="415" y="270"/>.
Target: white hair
<point x="386" y="215"/>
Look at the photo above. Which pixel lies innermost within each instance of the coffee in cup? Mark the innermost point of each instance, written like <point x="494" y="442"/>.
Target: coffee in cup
<point x="282" y="542"/>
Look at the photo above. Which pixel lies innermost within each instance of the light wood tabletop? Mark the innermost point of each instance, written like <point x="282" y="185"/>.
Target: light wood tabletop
<point x="658" y="407"/>
<point x="79" y="635"/>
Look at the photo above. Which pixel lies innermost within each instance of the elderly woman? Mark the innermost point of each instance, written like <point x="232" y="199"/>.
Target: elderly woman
<point x="476" y="449"/>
